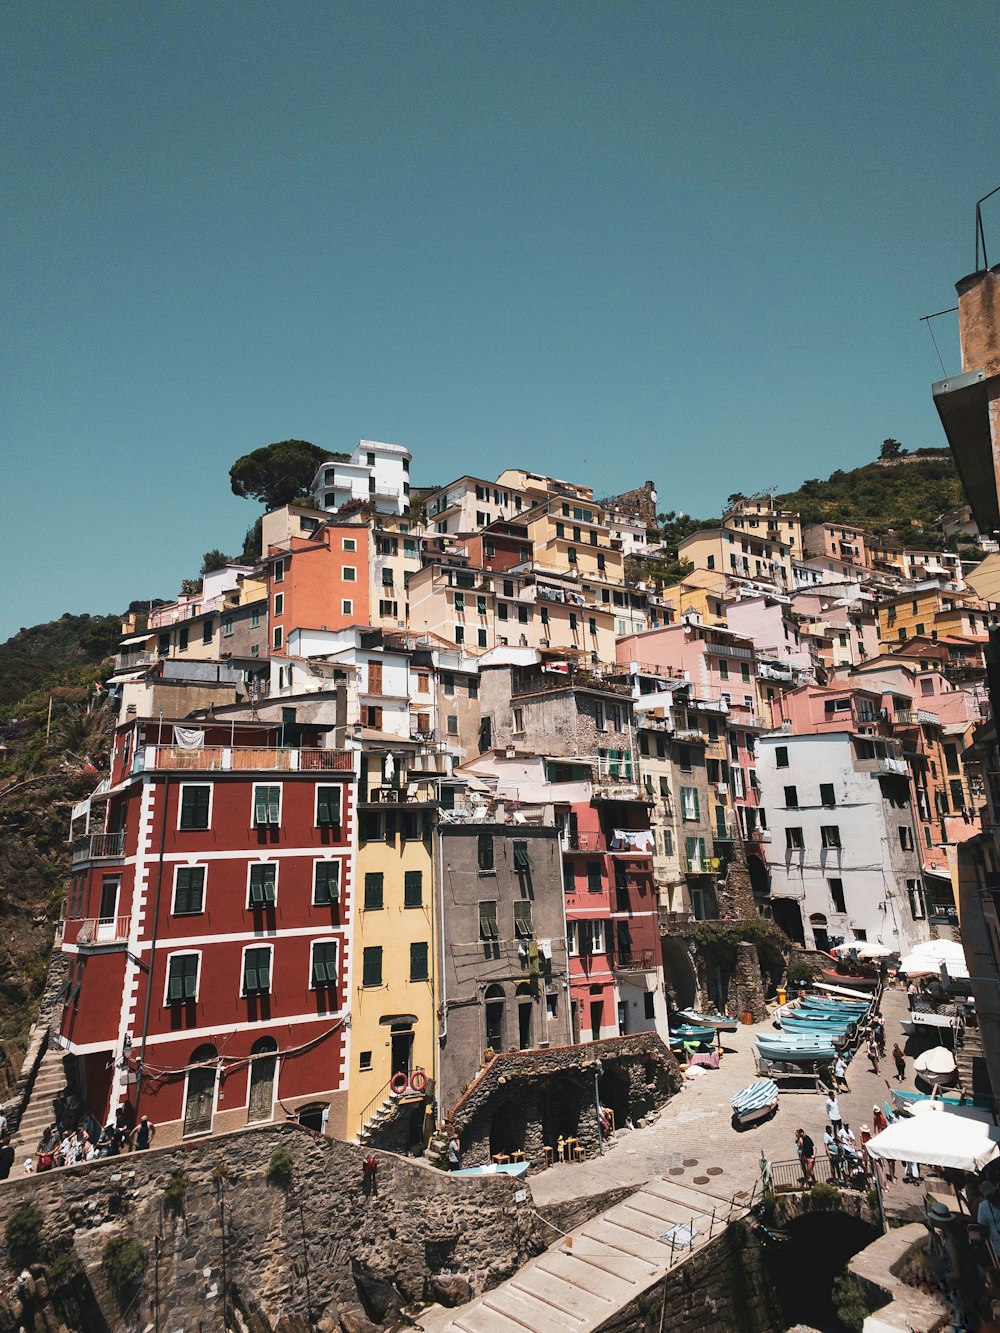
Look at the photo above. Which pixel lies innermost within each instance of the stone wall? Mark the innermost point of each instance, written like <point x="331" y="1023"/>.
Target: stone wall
<point x="746" y="990"/>
<point x="536" y="1096"/>
<point x="315" y="1254"/>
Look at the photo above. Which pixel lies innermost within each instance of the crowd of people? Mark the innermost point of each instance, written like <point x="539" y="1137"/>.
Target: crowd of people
<point x="77" y="1136"/>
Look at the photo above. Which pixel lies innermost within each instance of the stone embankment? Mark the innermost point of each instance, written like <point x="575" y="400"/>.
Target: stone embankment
<point x="313" y="1251"/>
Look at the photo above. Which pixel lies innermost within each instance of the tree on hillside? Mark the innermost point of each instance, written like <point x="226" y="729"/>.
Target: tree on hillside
<point x="891" y="449"/>
<point x="213" y="560"/>
<point x="277" y="474"/>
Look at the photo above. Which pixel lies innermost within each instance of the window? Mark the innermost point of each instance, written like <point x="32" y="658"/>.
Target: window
<point x="279" y="570"/>
<point x="423" y="682"/>
<point x="518" y="721"/>
<point x="571" y="554"/>
<point x="523" y="929"/>
<point x="723" y="669"/>
<point x="918" y="907"/>
<point x="522" y="859"/>
<point x="413" y="888"/>
<point x="266" y="805"/>
<point x="830" y="835"/>
<point x="781" y="756"/>
<point x="196" y="804"/>
<point x="485" y="851"/>
<point x="689" y="803"/>
<point x="460" y="601"/>
<point x="365" y="1061"/>
<point x="256" y="971"/>
<point x="182" y="977"/>
<point x="452" y="724"/>
<point x="227" y="627"/>
<point x="594" y="877"/>
<point x="279" y="603"/>
<point x="684" y="758"/>
<point x="349" y="574"/>
<point x="488" y="921"/>
<point x="906" y="837"/>
<point x="350" y="544"/>
<point x="327" y="806"/>
<point x="371" y="966"/>
<point x="324" y="964"/>
<point x="827" y="795"/>
<point x="277" y="638"/>
<point x="592" y="624"/>
<point x="481" y="640"/>
<point x="346" y="608"/>
<point x="448" y="684"/>
<point x="573" y="621"/>
<point x="374" y="891"/>
<point x="419" y="970"/>
<point x="263" y="884"/>
<point x="836" y="887"/>
<point x="745" y="672"/>
<point x="792" y="798"/>
<point x="665" y="788"/>
<point x="957" y="795"/>
<point x="793" y="839"/>
<point x="189" y="889"/>
<point x="326" y="883"/>
<point x="182" y="640"/>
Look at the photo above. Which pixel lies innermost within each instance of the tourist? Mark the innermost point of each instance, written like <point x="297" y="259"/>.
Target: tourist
<point x="108" y="1144"/>
<point x="369" y="1176"/>
<point x="807" y="1156"/>
<point x="911" y="1171"/>
<point x="454" y="1151"/>
<point x="879" y="1120"/>
<point x="7" y="1156"/>
<point x="840" y="1074"/>
<point x="900" y="1061"/>
<point x="988" y="1217"/>
<point x="880" y="1035"/>
<point x="832" y="1107"/>
<point x="143" y="1135"/>
<point x="872" y="1053"/>
<point x="832" y="1151"/>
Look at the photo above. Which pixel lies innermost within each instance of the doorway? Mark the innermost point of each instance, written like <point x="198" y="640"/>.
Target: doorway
<point x="199" y="1098"/>
<point x="817" y="924"/>
<point x="402" y="1049"/>
<point x="596" y="1015"/>
<point x="262" y="1070"/>
<point x="106" y="918"/>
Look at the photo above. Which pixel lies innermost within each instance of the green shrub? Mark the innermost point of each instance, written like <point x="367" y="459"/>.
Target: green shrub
<point x="175" y="1190"/>
<point x="63" y="1266"/>
<point x="824" y="1195"/>
<point x="23" y="1230"/>
<point x="279" y="1168"/>
<point x="124" y="1262"/>
<point x="848" y="1302"/>
<point x="800" y="971"/>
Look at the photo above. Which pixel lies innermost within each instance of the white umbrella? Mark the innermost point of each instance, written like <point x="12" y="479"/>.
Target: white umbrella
<point x="937" y="1140"/>
<point x="926" y="959"/>
<point x="862" y="949"/>
<point x="935" y="1064"/>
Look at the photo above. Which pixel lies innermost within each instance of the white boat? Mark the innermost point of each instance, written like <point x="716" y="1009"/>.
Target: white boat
<point x="915" y="1022"/>
<point x="755" y="1102"/>
<point x="842" y="990"/>
<point x="936" y="1066"/>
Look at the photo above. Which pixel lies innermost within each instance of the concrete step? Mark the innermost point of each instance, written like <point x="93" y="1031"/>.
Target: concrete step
<point x="601" y="1238"/>
<point x="482" y="1318"/>
<point x="526" y="1310"/>
<point x="568" y="1268"/>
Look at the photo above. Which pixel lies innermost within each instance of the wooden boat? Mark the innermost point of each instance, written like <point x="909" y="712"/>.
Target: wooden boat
<point x="828" y="988"/>
<point x="936" y="1066"/>
<point x="857" y="983"/>
<point x="795" y="1049"/>
<point x="692" y="1032"/>
<point x="755" y="1102"/>
<point x="716" y="1021"/>
<point x="833" y="1027"/>
<point x="914" y="1023"/>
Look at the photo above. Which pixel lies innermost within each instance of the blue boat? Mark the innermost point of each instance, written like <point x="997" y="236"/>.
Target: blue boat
<point x="756" y="1101"/>
<point x="688" y="1032"/>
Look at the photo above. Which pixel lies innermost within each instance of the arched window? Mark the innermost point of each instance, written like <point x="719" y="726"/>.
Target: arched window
<point x="260" y="1105"/>
<point x="199" y="1098"/>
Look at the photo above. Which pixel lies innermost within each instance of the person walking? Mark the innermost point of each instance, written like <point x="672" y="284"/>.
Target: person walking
<point x="873" y="1054"/>
<point x="880" y="1035"/>
<point x="832" y="1108"/>
<point x="840" y="1074"/>
<point x="454" y="1151"/>
<point x="879" y="1121"/>
<point x="899" y="1060"/>
<point x="832" y="1151"/>
<point x="807" y="1156"/>
<point x="143" y="1135"/>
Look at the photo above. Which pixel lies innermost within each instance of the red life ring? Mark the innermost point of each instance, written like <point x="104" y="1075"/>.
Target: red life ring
<point x="397" y="1083"/>
<point x="418" y="1080"/>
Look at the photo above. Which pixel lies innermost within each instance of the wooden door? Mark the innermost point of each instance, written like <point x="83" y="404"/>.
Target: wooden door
<point x="199" y="1100"/>
<point x="262" y="1070"/>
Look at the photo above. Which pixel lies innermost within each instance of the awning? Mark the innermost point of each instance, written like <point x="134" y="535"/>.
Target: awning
<point x="926" y="960"/>
<point x="938" y="1140"/>
<point x="136" y="638"/>
<point x="120" y="678"/>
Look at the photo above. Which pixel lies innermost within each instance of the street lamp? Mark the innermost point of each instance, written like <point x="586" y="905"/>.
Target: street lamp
<point x="598" y="1071"/>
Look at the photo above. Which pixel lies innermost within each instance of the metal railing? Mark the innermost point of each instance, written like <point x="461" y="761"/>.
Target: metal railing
<point x="97" y="931"/>
<point x="232" y="758"/>
<point x="789" y="1177"/>
<point x="98" y="846"/>
<point x="371" y="1111"/>
<point x="582" y="842"/>
<point x="640" y="960"/>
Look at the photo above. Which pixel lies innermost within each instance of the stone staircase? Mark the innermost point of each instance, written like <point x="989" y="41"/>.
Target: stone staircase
<point x="38" y="1115"/>
<point x="601" y="1267"/>
<point x="973" y="1078"/>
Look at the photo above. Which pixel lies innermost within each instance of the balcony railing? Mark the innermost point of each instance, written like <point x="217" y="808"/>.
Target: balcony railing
<point x="98" y="932"/>
<point x="98" y="846"/>
<point x="413" y="791"/>
<point x="227" y="758"/>
<point x="582" y="842"/>
<point x="125" y="661"/>
<point x="916" y="717"/>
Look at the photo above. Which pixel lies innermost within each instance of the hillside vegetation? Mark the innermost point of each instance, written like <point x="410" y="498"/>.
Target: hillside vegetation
<point x="906" y="495"/>
<point x="66" y="652"/>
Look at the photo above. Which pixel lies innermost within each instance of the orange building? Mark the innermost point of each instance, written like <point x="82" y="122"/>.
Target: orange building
<point x="319" y="581"/>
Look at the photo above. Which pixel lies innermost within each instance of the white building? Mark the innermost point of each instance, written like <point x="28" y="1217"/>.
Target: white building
<point x="843" y="855"/>
<point x="379" y="473"/>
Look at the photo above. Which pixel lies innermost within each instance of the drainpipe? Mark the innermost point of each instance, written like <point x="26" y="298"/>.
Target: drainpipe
<point x="442" y="1035"/>
<point x="152" y="945"/>
<point x="598" y="1071"/>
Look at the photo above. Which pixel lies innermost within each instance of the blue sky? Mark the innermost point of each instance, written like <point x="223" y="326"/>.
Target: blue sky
<point x="608" y="241"/>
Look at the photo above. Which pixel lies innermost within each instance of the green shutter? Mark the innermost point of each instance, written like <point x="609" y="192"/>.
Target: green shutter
<point x="257" y="971"/>
<point x="182" y="977"/>
<point x="521" y="858"/>
<point x="594" y="877"/>
<point x="324" y="964"/>
<point x="418" y="962"/>
<point x="372" y="967"/>
<point x="697" y="805"/>
<point x="327" y="883"/>
<point x="328" y="806"/>
<point x="488" y="921"/>
<point x="413" y="888"/>
<point x="664" y="786"/>
<point x="194" y="806"/>
<point x="262" y="885"/>
<point x="374" y="891"/>
<point x="189" y="894"/>
<point x="481" y="605"/>
<point x="523" y="929"/>
<point x="267" y="802"/>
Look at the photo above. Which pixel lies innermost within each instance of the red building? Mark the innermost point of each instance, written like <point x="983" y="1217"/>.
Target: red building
<point x="612" y="923"/>
<point x="208" y="929"/>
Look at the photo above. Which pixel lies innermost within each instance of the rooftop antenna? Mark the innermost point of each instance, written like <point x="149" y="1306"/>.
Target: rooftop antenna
<point x="980" y="232"/>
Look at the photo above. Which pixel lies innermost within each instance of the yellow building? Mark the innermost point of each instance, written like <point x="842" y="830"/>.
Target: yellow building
<point x="569" y="536"/>
<point x="702" y="592"/>
<point x="739" y="554"/>
<point x="934" y="612"/>
<point x="393" y="1005"/>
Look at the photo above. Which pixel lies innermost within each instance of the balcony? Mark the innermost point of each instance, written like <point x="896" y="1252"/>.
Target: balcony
<point x="101" y="933"/>
<point x="231" y="759"/>
<point x="702" y="865"/>
<point x="690" y="736"/>
<point x="916" y="717"/>
<point x="98" y="847"/>
<point x="641" y="960"/>
<point x="582" y="842"/>
<point x="128" y="661"/>
<point x="414" y="793"/>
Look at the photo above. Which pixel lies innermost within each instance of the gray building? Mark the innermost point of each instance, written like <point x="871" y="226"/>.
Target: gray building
<point x="502" y="943"/>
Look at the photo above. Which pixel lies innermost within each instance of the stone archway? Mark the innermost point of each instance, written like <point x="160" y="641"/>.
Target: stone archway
<point x="678" y="972"/>
<point x="814" y="1252"/>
